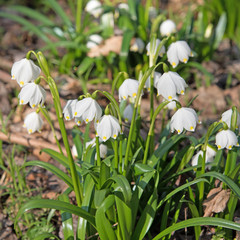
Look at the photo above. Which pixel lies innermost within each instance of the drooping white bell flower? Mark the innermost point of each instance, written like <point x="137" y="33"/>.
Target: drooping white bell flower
<point x="170" y="84"/>
<point x="167" y="27"/>
<point x="94" y="40"/>
<point x="88" y="109"/>
<point x="108" y="127"/>
<point x="156" y="78"/>
<point x="25" y="71"/>
<point x="178" y="51"/>
<point x="152" y="13"/>
<point x="33" y="94"/>
<point x="33" y="122"/>
<point x="226" y="139"/>
<point x="153" y="51"/>
<point x="128" y="88"/>
<point x="107" y="20"/>
<point x="184" y="118"/>
<point x="102" y="147"/>
<point x="137" y="46"/>
<point x="172" y="105"/>
<point x="226" y="117"/>
<point x="94" y="8"/>
<point x="68" y="110"/>
<point x="127" y="113"/>
<point x="210" y="154"/>
<point x="74" y="151"/>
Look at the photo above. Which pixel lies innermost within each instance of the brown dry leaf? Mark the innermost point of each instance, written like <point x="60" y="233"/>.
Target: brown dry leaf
<point x="216" y="201"/>
<point x="112" y="44"/>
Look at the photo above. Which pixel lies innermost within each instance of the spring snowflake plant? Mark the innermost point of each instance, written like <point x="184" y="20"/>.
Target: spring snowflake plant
<point x="116" y="192"/>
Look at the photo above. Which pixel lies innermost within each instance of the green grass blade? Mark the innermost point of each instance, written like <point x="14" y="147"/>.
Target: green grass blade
<point x="56" y="171"/>
<point x="199" y="222"/>
<point x="31" y="27"/>
<point x="55" y="204"/>
<point x="59" y="11"/>
<point x="33" y="14"/>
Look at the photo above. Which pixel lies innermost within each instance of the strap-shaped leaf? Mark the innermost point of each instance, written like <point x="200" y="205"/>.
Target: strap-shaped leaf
<point x="56" y="204"/>
<point x="56" y="171"/>
<point x="104" y="226"/>
<point x="199" y="222"/>
<point x="124" y="214"/>
<point x="180" y="189"/>
<point x="224" y="179"/>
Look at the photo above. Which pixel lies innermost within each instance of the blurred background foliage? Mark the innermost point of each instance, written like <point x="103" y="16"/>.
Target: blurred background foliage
<point x="66" y="43"/>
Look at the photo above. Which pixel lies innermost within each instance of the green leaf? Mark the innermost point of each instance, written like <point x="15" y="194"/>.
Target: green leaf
<point x="232" y="185"/>
<point x="55" y="204"/>
<point x="59" y="11"/>
<point x="180" y="189"/>
<point x="33" y="14"/>
<point x="67" y="221"/>
<point x="86" y="205"/>
<point x="186" y="158"/>
<point x="47" y="235"/>
<point x="164" y="148"/>
<point x="124" y="213"/>
<point x="56" y="171"/>
<point x="140" y="168"/>
<point x="201" y="221"/>
<point x="147" y="216"/>
<point x="104" y="226"/>
<point x="85" y="65"/>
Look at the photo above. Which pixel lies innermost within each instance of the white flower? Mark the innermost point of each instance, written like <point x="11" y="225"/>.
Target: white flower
<point x="128" y="88"/>
<point x="94" y="8"/>
<point x="87" y="109"/>
<point x="128" y="112"/>
<point x="169" y="84"/>
<point x="226" y="117"/>
<point x="68" y="110"/>
<point x="156" y="78"/>
<point x="102" y="148"/>
<point x="167" y="27"/>
<point x="184" y="118"/>
<point x="123" y="6"/>
<point x="107" y="20"/>
<point x="152" y="12"/>
<point x="108" y="127"/>
<point x="25" y="71"/>
<point x="33" y="94"/>
<point x="33" y="122"/>
<point x="137" y="46"/>
<point x="178" y="51"/>
<point x="210" y="154"/>
<point x="153" y="50"/>
<point x="74" y="151"/>
<point x="172" y="105"/>
<point x="94" y="40"/>
<point x="226" y="139"/>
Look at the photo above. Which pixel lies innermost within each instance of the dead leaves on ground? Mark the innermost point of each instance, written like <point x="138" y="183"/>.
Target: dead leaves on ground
<point x="216" y="201"/>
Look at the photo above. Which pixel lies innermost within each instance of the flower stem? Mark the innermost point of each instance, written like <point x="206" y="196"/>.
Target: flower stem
<point x="116" y="155"/>
<point x="75" y="179"/>
<point x="78" y="16"/>
<point x="47" y="117"/>
<point x="151" y="130"/>
<point x="98" y="152"/>
<point x="201" y="186"/>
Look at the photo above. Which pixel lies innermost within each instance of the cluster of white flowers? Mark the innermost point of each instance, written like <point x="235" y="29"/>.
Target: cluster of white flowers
<point x="25" y="72"/>
<point x="88" y="110"/>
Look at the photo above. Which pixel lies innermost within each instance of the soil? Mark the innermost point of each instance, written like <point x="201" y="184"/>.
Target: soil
<point x="212" y="101"/>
